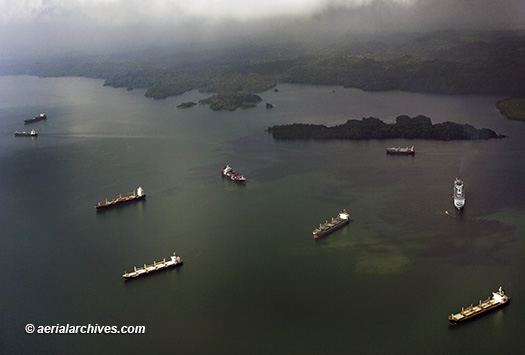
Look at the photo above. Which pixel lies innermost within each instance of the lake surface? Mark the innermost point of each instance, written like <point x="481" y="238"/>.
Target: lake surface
<point x="254" y="281"/>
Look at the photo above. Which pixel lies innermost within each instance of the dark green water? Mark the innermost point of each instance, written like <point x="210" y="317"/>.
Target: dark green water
<point x="254" y="281"/>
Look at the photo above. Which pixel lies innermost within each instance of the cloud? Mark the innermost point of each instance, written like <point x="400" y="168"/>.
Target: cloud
<point x="115" y="12"/>
<point x="118" y="13"/>
<point x="62" y="25"/>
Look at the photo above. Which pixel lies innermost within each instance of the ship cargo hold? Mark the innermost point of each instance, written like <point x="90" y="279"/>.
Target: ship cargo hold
<point x="139" y="195"/>
<point x="175" y="260"/>
<point x="497" y="299"/>
<point x="331" y="226"/>
<point x="401" y="150"/>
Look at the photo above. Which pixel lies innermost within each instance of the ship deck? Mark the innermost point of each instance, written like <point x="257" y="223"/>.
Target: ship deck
<point x="329" y="225"/>
<point x="152" y="267"/>
<point x="119" y="201"/>
<point x="472" y="311"/>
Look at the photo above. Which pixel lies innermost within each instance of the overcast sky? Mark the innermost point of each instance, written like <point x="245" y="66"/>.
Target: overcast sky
<point x="133" y="11"/>
<point x="62" y="25"/>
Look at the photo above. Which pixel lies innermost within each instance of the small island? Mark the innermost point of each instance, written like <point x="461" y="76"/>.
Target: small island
<point x="231" y="101"/>
<point x="186" y="104"/>
<point x="419" y="127"/>
<point x="512" y="109"/>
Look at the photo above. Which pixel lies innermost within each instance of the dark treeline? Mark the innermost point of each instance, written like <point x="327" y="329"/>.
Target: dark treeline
<point x="231" y="101"/>
<point x="440" y="62"/>
<point x="419" y="127"/>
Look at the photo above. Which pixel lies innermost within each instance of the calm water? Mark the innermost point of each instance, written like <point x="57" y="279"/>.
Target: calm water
<point x="254" y="280"/>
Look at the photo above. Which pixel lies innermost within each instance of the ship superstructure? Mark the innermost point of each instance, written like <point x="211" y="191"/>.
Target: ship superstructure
<point x="331" y="226"/>
<point x="459" y="193"/>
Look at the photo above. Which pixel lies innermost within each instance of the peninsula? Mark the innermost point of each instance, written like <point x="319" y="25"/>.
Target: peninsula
<point x="419" y="127"/>
<point x="512" y="109"/>
<point x="450" y="63"/>
<point x="186" y="104"/>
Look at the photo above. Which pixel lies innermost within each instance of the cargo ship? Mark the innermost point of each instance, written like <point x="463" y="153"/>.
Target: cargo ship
<point x="40" y="117"/>
<point x="139" y="195"/>
<point x="228" y="172"/>
<point x="328" y="227"/>
<point x="401" y="150"/>
<point x="156" y="266"/>
<point x="31" y="133"/>
<point x="497" y="299"/>
<point x="459" y="193"/>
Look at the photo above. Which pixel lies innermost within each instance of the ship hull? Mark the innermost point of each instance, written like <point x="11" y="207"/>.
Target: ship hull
<point x="459" y="204"/>
<point x="331" y="230"/>
<point x="233" y="179"/>
<point x="400" y="153"/>
<point x="476" y="314"/>
<point x="35" y="119"/>
<point x="119" y="202"/>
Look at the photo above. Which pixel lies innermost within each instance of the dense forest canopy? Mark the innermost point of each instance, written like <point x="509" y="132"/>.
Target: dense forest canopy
<point x="447" y="62"/>
<point x="419" y="127"/>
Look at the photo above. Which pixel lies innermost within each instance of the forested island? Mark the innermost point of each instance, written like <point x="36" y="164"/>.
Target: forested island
<point x="231" y="101"/>
<point x="444" y="62"/>
<point x="186" y="105"/>
<point x="226" y="101"/>
<point x="419" y="127"/>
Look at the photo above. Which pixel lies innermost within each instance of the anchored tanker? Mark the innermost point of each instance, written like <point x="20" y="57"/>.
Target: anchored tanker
<point x="156" y="266"/>
<point x="328" y="227"/>
<point x="459" y="193"/>
<point x="41" y="117"/>
<point x="497" y="299"/>
<point x="120" y="200"/>
<point x="31" y="133"/>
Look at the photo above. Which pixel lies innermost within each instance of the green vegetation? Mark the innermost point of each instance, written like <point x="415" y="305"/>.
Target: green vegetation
<point x="513" y="109"/>
<point x="186" y="104"/>
<point x="440" y="62"/>
<point x="231" y="101"/>
<point x="419" y="127"/>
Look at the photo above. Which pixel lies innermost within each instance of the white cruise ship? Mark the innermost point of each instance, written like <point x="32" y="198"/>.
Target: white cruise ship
<point x="459" y="193"/>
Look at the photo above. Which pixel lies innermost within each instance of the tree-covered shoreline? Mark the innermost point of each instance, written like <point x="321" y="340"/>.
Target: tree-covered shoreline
<point x="447" y="62"/>
<point x="419" y="127"/>
<point x="513" y="109"/>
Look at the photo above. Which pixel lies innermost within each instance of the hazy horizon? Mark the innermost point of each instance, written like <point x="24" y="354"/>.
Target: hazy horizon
<point x="29" y="27"/>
